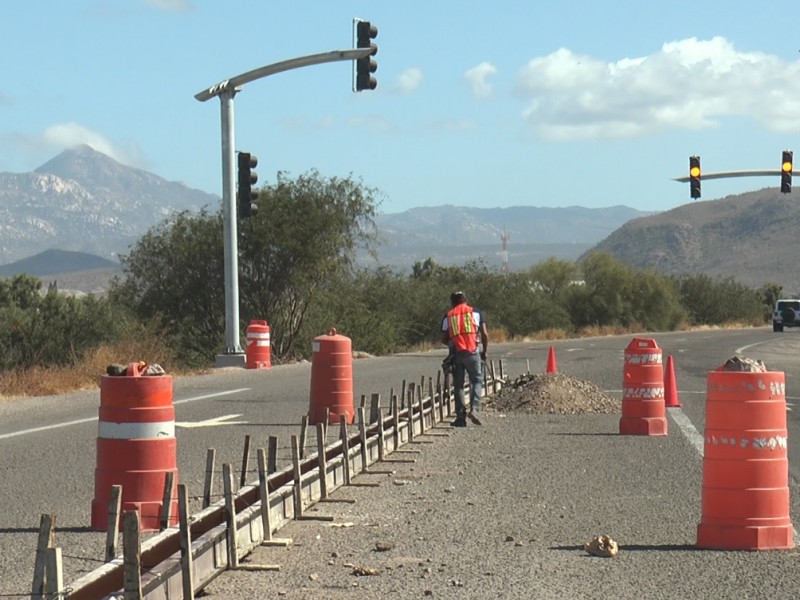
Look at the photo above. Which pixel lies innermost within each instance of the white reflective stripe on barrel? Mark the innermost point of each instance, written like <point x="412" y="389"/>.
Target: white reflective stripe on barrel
<point x="262" y="343"/>
<point x="258" y="336"/>
<point x="136" y="431"/>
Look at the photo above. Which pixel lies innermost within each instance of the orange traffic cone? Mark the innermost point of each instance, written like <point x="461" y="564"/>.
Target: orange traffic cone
<point x="670" y="390"/>
<point x="551" y="361"/>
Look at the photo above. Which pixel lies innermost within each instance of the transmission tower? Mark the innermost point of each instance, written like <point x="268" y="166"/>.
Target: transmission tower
<point x="505" y="237"/>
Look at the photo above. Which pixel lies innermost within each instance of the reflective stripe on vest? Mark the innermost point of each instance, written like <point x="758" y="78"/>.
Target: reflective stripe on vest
<point x="461" y="328"/>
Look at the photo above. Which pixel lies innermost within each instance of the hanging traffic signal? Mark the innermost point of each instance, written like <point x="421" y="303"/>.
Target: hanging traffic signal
<point x="247" y="179"/>
<point x="694" y="176"/>
<point x="365" y="67"/>
<point x="786" y="172"/>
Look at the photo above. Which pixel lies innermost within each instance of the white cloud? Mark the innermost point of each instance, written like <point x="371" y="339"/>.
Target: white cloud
<point x="67" y="135"/>
<point x="409" y="80"/>
<point x="477" y="78"/>
<point x="689" y="84"/>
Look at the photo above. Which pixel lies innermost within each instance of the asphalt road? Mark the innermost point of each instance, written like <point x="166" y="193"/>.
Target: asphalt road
<point x="47" y="444"/>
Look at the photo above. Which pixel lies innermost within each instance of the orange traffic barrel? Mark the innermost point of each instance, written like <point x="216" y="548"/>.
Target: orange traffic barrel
<point x="331" y="379"/>
<point x="643" y="410"/>
<point x="136" y="447"/>
<point x="258" y="344"/>
<point x="745" y="493"/>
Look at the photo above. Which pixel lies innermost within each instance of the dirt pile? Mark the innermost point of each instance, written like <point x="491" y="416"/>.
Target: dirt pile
<point x="552" y="393"/>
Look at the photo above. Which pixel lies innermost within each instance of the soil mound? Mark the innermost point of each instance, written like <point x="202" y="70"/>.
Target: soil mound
<point x="552" y="393"/>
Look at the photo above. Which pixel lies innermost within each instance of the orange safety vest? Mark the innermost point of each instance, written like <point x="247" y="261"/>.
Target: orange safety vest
<point x="462" y="329"/>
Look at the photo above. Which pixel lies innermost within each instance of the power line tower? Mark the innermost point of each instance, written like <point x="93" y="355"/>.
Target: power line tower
<point x="505" y="237"/>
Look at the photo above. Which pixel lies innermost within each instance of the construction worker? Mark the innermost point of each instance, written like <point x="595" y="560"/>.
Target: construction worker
<point x="465" y="333"/>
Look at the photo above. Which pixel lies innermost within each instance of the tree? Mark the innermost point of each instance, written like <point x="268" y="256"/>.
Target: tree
<point x="174" y="274"/>
<point x="770" y="293"/>
<point x="305" y="237"/>
<point x="53" y="329"/>
<point x="605" y="297"/>
<point x="554" y="275"/>
<point x="655" y="302"/>
<point x="20" y="291"/>
<point x="716" y="301"/>
<point x="524" y="309"/>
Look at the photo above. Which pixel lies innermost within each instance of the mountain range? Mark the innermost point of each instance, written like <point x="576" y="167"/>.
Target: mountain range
<point x="749" y="237"/>
<point x="84" y="201"/>
<point x="83" y="204"/>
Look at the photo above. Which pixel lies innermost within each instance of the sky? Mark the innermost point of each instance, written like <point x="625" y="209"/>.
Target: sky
<point x="592" y="103"/>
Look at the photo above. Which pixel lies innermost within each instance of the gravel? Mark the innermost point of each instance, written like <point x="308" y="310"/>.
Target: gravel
<point x="506" y="510"/>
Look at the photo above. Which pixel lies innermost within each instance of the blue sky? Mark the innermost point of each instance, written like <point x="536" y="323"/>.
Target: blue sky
<point x="509" y="103"/>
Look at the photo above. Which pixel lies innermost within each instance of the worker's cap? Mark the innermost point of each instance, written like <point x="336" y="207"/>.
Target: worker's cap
<point x="457" y="298"/>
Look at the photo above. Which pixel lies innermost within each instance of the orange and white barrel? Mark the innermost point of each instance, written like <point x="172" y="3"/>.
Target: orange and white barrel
<point x="331" y="379"/>
<point x="257" y="352"/>
<point x="745" y="494"/>
<point x="136" y="447"/>
<point x="643" y="411"/>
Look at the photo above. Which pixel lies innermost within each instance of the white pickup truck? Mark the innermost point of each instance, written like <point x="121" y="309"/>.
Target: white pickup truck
<point x="787" y="314"/>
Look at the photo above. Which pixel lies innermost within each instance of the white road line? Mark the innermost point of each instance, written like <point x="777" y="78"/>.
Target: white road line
<point x="687" y="428"/>
<point x="196" y="398"/>
<point x="5" y="436"/>
<point x="223" y="420"/>
<point x="741" y="349"/>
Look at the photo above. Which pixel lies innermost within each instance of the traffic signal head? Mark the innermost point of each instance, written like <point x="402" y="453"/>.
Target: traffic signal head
<point x="365" y="67"/>
<point x="247" y="179"/>
<point x="786" y="172"/>
<point x="694" y="176"/>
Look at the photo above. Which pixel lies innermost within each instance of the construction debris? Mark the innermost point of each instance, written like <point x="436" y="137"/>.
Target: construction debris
<point x="552" y="393"/>
<point x="602" y="545"/>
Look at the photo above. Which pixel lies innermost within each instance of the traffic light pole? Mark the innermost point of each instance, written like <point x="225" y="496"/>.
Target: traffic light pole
<point x="729" y="174"/>
<point x="229" y="229"/>
<point x="226" y="90"/>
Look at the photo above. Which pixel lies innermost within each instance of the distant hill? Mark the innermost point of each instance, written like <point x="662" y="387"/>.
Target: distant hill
<point x="455" y="235"/>
<point x="53" y="262"/>
<point x="750" y="237"/>
<point x="85" y="201"/>
<point x="70" y="219"/>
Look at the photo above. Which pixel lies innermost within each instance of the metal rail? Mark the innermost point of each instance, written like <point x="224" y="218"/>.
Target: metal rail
<point x="160" y="555"/>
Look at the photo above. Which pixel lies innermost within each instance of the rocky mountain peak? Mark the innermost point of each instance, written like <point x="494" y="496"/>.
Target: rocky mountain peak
<point x="85" y="201"/>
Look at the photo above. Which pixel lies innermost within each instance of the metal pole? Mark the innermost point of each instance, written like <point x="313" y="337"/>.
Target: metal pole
<point x="226" y="90"/>
<point x="229" y="225"/>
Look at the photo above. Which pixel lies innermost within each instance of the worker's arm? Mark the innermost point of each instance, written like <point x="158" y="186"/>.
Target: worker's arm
<point x="484" y="331"/>
<point x="445" y="337"/>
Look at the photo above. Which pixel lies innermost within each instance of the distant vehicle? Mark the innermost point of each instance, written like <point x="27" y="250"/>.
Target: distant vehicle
<point x="787" y="314"/>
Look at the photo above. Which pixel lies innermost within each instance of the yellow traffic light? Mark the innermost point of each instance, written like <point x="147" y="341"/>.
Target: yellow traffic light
<point x="694" y="176"/>
<point x="786" y="172"/>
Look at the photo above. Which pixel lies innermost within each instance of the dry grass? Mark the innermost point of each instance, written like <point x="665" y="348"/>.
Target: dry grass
<point x="41" y="381"/>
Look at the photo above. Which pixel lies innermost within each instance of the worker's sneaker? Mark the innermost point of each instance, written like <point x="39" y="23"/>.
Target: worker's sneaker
<point x="473" y="416"/>
<point x="460" y="421"/>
